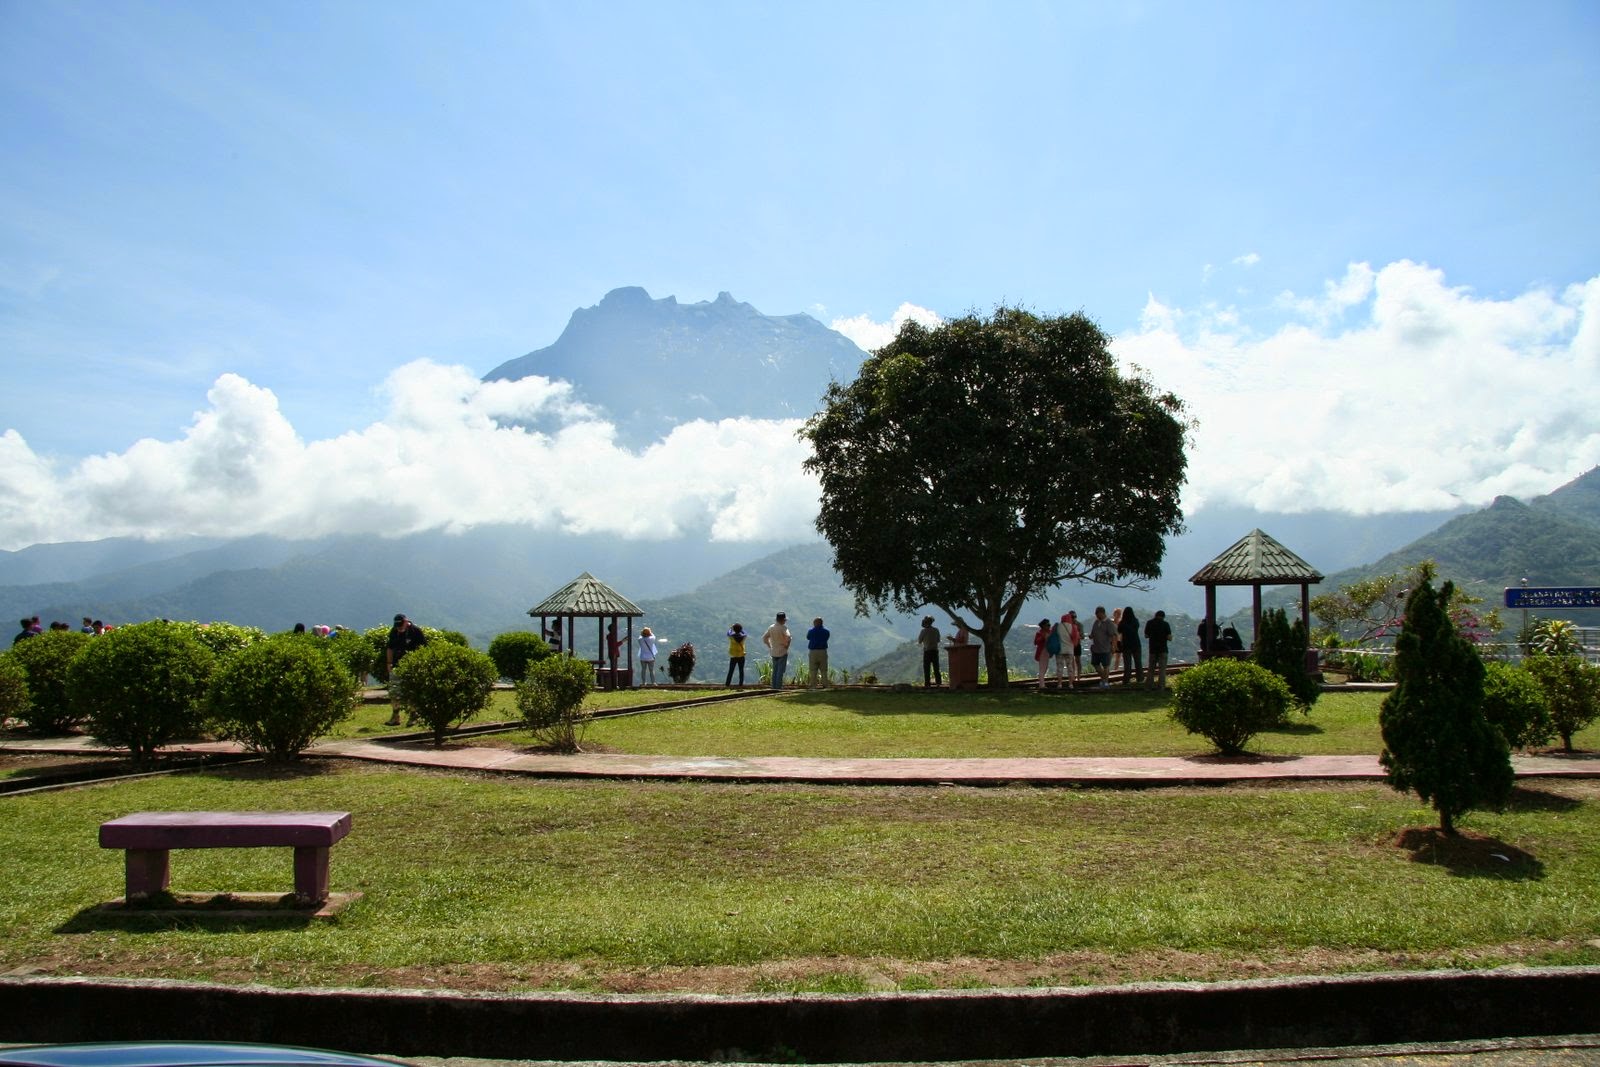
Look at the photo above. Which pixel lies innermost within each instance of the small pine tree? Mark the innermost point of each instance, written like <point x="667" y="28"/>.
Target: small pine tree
<point x="1436" y="738"/>
<point x="1281" y="649"/>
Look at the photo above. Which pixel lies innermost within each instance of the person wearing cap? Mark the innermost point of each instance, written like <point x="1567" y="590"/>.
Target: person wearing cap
<point x="777" y="641"/>
<point x="928" y="639"/>
<point x="404" y="636"/>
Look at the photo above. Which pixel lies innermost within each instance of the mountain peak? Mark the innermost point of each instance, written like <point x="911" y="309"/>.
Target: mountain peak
<point x="630" y="354"/>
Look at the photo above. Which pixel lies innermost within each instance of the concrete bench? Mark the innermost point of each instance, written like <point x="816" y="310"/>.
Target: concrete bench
<point x="149" y="835"/>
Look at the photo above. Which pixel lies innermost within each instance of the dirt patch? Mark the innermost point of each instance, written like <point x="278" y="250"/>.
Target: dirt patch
<point x="808" y="974"/>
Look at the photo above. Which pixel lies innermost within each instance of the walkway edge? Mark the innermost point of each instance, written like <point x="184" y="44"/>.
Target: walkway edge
<point x="1143" y="1019"/>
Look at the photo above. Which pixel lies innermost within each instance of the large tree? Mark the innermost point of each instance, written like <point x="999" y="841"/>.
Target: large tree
<point x="982" y="462"/>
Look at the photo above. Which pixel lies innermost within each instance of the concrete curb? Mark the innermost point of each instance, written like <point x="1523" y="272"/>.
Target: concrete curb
<point x="1144" y="1019"/>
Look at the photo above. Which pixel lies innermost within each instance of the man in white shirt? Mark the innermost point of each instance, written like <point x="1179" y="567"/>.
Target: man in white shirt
<point x="777" y="641"/>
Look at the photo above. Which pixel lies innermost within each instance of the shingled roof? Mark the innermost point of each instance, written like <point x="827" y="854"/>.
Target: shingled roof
<point x="1256" y="559"/>
<point x="586" y="597"/>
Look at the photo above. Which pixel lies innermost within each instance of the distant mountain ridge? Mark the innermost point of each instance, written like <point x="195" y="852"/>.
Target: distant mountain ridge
<point x="652" y="364"/>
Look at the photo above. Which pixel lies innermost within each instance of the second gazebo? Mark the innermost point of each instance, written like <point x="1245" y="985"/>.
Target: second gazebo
<point x="587" y="597"/>
<point x="1255" y="560"/>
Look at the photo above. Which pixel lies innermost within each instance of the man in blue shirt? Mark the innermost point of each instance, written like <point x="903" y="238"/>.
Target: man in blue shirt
<point x="817" y="645"/>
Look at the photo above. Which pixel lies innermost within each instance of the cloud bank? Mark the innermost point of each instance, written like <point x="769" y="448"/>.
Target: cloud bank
<point x="1388" y="390"/>
<point x="870" y="336"/>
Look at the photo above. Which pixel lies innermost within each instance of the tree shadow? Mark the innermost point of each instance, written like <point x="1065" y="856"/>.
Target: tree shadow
<point x="1019" y="703"/>
<point x="1469" y="855"/>
<point x="1295" y="729"/>
<point x="255" y="768"/>
<point x="1527" y="798"/>
<point x="1234" y="758"/>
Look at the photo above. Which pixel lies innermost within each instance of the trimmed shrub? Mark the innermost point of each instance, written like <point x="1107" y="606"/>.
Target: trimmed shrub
<point x="13" y="688"/>
<point x="222" y="638"/>
<point x="1229" y="701"/>
<point x="1514" y="702"/>
<point x="551" y="701"/>
<point x="279" y="695"/>
<point x="1436" y="740"/>
<point x="46" y="660"/>
<point x="351" y="649"/>
<point x="442" y="684"/>
<point x="453" y="637"/>
<point x="140" y="687"/>
<point x="513" y="653"/>
<point x="378" y="638"/>
<point x="1571" y="692"/>
<point x="1281" y="649"/>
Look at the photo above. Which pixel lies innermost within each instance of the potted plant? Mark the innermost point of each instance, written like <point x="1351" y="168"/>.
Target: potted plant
<point x="680" y="663"/>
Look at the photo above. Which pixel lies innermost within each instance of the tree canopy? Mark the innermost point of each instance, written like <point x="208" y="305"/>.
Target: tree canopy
<point x="978" y="463"/>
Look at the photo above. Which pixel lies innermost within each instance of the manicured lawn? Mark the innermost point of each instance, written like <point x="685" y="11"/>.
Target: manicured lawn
<point x="875" y="723"/>
<point x="483" y="882"/>
<point x="370" y="720"/>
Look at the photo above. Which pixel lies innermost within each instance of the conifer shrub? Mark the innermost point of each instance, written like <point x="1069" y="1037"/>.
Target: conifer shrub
<point x="1437" y="740"/>
<point x="1229" y="701"/>
<point x="1514" y="702"/>
<point x="280" y="694"/>
<point x="1281" y="649"/>
<point x="514" y="652"/>
<point x="13" y="689"/>
<point x="442" y="684"/>
<point x="45" y="661"/>
<point x="142" y="686"/>
<point x="551" y="701"/>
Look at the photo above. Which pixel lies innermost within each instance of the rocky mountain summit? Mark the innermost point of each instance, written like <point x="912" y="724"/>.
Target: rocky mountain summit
<point x="652" y="364"/>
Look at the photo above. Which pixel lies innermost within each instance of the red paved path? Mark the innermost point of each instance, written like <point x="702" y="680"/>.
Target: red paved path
<point x="1063" y="770"/>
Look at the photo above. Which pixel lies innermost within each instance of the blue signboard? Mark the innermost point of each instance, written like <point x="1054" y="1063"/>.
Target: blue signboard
<point x="1553" y="598"/>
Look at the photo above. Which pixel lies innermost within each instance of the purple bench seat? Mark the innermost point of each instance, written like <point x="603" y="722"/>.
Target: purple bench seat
<point x="148" y="836"/>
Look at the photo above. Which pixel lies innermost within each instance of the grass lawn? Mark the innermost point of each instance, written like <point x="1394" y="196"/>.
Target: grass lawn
<point x="481" y="882"/>
<point x="371" y="720"/>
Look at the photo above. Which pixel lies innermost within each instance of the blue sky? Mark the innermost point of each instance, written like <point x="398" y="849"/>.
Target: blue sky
<point x="244" y="219"/>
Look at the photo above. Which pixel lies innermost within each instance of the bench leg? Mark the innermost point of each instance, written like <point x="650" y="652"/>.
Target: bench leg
<point x="148" y="871"/>
<point x="310" y="875"/>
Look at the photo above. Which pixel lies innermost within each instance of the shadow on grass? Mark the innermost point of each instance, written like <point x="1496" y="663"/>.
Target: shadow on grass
<point x="1527" y="798"/>
<point x="221" y="916"/>
<point x="262" y="771"/>
<point x="1295" y="729"/>
<point x="1223" y="758"/>
<point x="1468" y="855"/>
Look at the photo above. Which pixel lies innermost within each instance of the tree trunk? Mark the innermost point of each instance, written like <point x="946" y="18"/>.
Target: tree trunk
<point x="1447" y="825"/>
<point x="994" y="657"/>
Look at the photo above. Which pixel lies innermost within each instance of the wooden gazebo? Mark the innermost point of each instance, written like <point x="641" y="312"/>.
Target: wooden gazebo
<point x="587" y="597"/>
<point x="1256" y="560"/>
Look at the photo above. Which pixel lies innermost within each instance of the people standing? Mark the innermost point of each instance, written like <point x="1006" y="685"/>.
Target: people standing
<point x="647" y="657"/>
<point x="817" y="654"/>
<point x="404" y="636"/>
<point x="27" y="632"/>
<point x="736" y="636"/>
<point x="1158" y="631"/>
<point x="1041" y="650"/>
<point x="928" y="639"/>
<point x="1064" y="654"/>
<point x="613" y="646"/>
<point x="1132" y="648"/>
<point x="777" y="641"/>
<point x="1102" y="636"/>
<point x="552" y="636"/>
<point x="1116" y="642"/>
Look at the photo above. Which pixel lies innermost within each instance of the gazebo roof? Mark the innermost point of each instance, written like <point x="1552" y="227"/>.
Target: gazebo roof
<point x="586" y="597"/>
<point x="1256" y="559"/>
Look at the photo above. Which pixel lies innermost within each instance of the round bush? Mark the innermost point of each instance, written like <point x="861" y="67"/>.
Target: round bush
<point x="442" y="684"/>
<point x="1571" y="692"/>
<point x="1229" y="701"/>
<point x="46" y="660"/>
<point x="13" y="689"/>
<point x="279" y="695"/>
<point x="142" y="686"/>
<point x="513" y="653"/>
<point x="1514" y="702"/>
<point x="551" y="701"/>
<point x="353" y="650"/>
<point x="222" y="638"/>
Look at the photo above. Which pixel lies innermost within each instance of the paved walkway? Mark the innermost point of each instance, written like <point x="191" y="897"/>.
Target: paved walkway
<point x="1060" y="770"/>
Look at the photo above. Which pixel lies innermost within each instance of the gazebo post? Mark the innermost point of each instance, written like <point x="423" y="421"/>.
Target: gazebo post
<point x="1211" y="622"/>
<point x="1255" y="614"/>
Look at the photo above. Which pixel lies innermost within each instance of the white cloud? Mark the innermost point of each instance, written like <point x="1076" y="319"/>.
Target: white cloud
<point x="440" y="457"/>
<point x="1249" y="259"/>
<point x="1390" y="391"/>
<point x="869" y="335"/>
<point x="1426" y="397"/>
